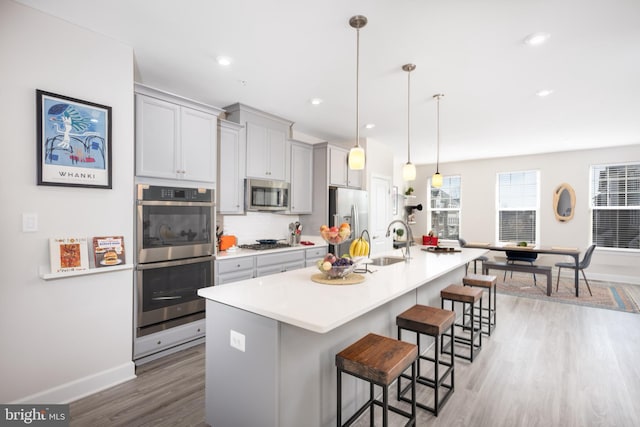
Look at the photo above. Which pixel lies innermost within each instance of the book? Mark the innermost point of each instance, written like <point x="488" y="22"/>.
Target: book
<point x="68" y="254"/>
<point x="108" y="251"/>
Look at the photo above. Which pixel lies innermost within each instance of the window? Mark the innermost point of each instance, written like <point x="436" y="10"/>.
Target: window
<point x="444" y="209"/>
<point x="518" y="203"/>
<point x="615" y="206"/>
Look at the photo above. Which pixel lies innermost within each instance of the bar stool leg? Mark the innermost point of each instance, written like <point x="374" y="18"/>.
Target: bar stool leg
<point x="436" y="377"/>
<point x="372" y="409"/>
<point x="339" y="399"/>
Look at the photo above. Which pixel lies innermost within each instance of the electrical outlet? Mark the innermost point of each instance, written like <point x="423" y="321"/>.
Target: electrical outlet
<point x="236" y="340"/>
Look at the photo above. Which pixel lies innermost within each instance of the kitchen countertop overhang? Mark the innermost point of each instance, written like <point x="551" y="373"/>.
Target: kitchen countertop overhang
<point x="293" y="298"/>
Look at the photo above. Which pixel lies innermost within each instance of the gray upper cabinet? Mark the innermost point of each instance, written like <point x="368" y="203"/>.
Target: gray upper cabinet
<point x="301" y="196"/>
<point x="266" y="152"/>
<point x="265" y="137"/>
<point x="339" y="173"/>
<point x="230" y="169"/>
<point x="176" y="138"/>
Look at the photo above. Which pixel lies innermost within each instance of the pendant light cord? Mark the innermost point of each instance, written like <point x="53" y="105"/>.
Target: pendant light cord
<point x="438" y="137"/>
<point x="358" y="87"/>
<point x="438" y="96"/>
<point x="409" y="119"/>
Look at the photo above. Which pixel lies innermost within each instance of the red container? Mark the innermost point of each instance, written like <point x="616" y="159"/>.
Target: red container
<point x="429" y="240"/>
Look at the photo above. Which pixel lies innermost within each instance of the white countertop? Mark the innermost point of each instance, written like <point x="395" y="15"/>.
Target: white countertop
<point x="293" y="298"/>
<point x="240" y="252"/>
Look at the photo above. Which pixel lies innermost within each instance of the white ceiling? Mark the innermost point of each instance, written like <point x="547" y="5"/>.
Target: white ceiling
<point x="286" y="52"/>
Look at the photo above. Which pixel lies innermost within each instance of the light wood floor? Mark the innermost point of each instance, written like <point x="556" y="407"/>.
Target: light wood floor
<point x="546" y="364"/>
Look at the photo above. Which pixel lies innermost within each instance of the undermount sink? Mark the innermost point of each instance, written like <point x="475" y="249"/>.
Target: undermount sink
<point x="386" y="260"/>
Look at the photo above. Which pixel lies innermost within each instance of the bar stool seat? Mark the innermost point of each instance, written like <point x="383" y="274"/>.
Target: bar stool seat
<point x="465" y="295"/>
<point x="378" y="360"/>
<point x="434" y="322"/>
<point x="486" y="282"/>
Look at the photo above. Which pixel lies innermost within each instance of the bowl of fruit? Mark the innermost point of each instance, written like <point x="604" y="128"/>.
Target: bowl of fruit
<point x="333" y="267"/>
<point x="335" y="235"/>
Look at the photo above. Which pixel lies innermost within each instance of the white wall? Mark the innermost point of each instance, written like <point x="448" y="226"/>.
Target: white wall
<point x="478" y="203"/>
<point x="63" y="338"/>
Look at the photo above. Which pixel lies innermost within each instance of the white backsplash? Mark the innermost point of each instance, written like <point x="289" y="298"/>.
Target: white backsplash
<point x="257" y="225"/>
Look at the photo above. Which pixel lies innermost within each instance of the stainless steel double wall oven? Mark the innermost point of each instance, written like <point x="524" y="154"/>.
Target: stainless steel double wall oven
<point x="175" y="248"/>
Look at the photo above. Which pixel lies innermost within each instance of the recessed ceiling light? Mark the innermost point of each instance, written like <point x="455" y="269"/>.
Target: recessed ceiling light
<point x="536" y="39"/>
<point x="370" y="125"/>
<point x="225" y="61"/>
<point x="544" y="92"/>
<point x="316" y="101"/>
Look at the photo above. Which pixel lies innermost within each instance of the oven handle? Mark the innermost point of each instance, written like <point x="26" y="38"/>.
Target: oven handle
<point x="164" y="203"/>
<point x="166" y="298"/>
<point x="163" y="264"/>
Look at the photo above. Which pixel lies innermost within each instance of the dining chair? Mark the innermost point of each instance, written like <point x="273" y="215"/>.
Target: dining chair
<point x="586" y="260"/>
<point x="462" y="242"/>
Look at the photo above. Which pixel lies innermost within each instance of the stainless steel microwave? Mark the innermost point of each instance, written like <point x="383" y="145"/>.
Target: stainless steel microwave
<point x="264" y="195"/>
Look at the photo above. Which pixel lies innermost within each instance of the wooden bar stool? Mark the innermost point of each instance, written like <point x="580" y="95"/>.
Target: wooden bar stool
<point x="465" y="295"/>
<point x="432" y="321"/>
<point x="378" y="360"/>
<point x="486" y="282"/>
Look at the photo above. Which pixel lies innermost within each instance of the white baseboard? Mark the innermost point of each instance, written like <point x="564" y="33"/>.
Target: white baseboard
<point x="612" y="278"/>
<point x="629" y="280"/>
<point x="82" y="387"/>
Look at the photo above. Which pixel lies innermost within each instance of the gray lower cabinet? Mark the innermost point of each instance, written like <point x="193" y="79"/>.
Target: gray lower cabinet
<point x="242" y="268"/>
<point x="233" y="270"/>
<point x="279" y="262"/>
<point x="314" y="254"/>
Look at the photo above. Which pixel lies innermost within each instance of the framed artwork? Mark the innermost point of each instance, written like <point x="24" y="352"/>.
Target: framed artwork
<point x="394" y="199"/>
<point x="74" y="142"/>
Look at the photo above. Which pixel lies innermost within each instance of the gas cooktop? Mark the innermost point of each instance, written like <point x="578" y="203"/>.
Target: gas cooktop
<point x="264" y="246"/>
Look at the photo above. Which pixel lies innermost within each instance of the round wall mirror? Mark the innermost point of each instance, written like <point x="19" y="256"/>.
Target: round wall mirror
<point x="564" y="202"/>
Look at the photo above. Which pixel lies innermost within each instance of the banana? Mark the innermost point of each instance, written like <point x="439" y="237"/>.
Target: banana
<point x="359" y="247"/>
<point x="365" y="250"/>
<point x="352" y="248"/>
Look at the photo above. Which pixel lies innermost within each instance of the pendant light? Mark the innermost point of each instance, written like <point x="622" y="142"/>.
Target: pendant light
<point x="409" y="169"/>
<point x="436" y="178"/>
<point x="356" y="155"/>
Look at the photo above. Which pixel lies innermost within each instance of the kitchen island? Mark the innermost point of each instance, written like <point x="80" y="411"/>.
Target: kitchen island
<point x="271" y="341"/>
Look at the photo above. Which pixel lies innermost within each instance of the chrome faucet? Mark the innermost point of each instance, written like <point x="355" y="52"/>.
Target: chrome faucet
<point x="409" y="236"/>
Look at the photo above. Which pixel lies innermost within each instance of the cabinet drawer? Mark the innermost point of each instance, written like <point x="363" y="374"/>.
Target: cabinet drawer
<point x="268" y="269"/>
<point x="293" y="265"/>
<point x="234" y="276"/>
<point x="279" y="258"/>
<point x="279" y="268"/>
<point x="169" y="338"/>
<point x="316" y="253"/>
<point x="231" y="265"/>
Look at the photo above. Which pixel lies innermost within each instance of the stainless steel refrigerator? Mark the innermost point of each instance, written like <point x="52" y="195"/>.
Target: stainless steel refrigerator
<point x="350" y="206"/>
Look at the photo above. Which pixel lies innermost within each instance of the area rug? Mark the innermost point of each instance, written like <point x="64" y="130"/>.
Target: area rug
<point x="612" y="296"/>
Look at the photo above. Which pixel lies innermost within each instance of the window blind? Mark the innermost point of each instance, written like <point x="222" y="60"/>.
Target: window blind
<point x="517" y="206"/>
<point x="615" y="206"/>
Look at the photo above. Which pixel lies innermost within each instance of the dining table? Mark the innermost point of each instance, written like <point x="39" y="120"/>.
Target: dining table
<point x="552" y="250"/>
